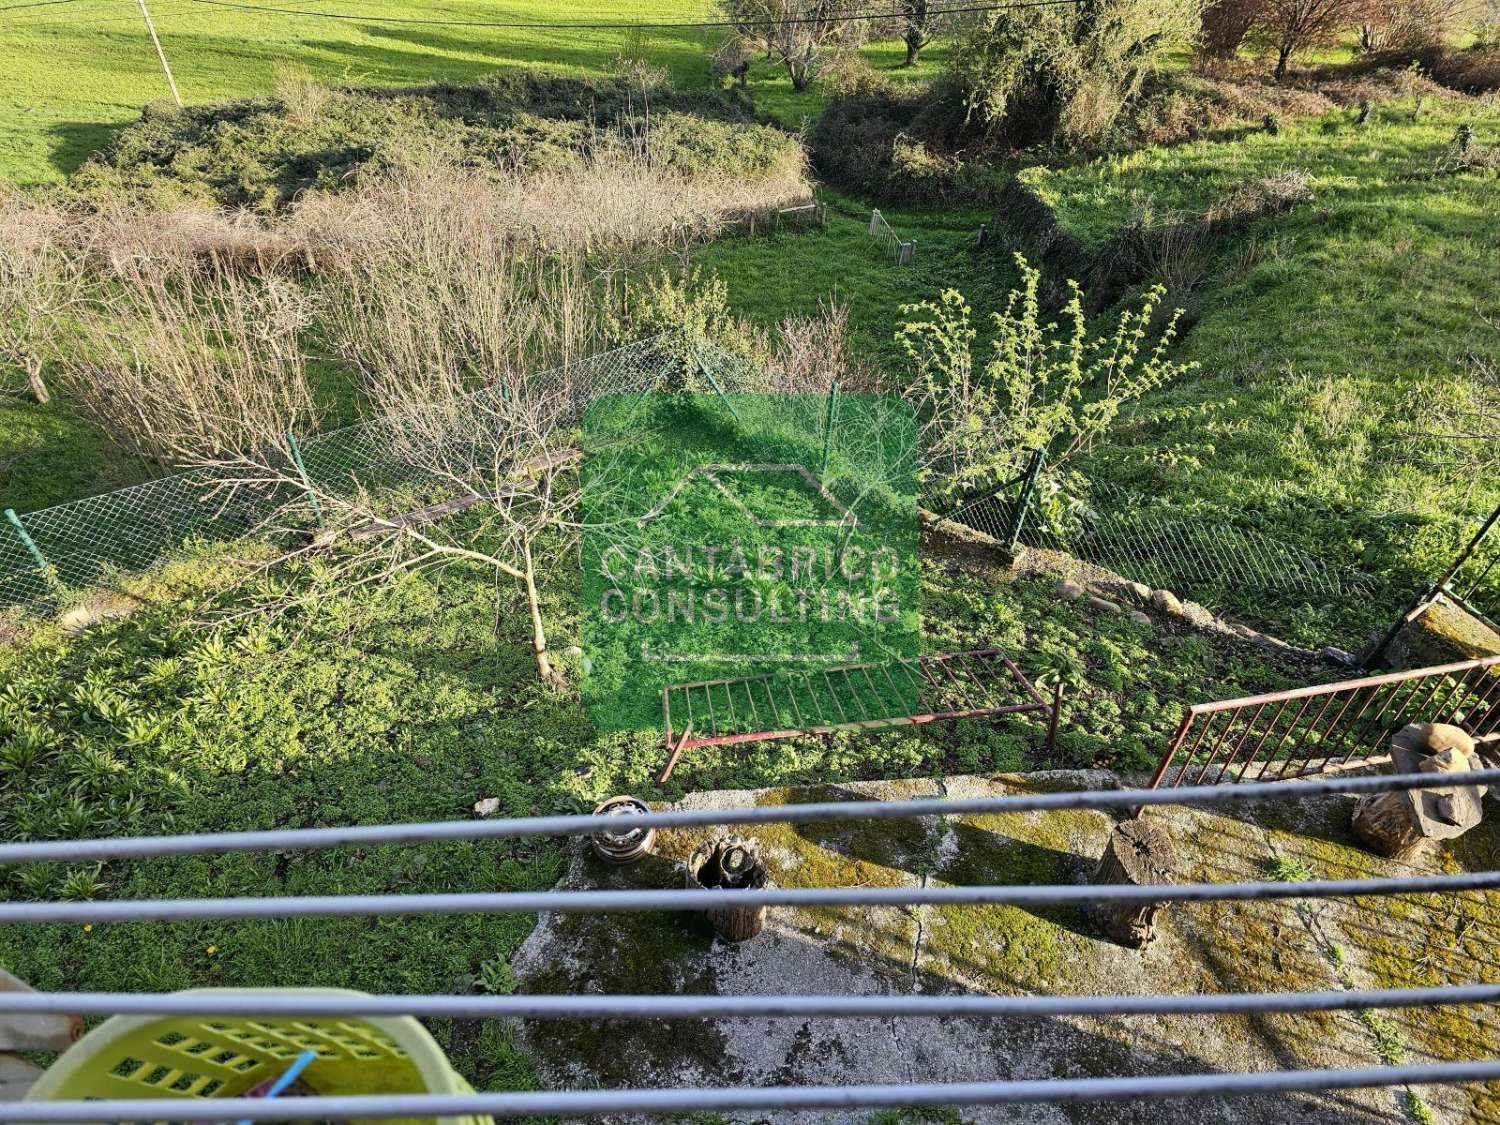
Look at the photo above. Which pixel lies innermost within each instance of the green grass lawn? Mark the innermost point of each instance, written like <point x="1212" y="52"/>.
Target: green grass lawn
<point x="415" y="706"/>
<point x="792" y="274"/>
<point x="1330" y="338"/>
<point x="76" y="71"/>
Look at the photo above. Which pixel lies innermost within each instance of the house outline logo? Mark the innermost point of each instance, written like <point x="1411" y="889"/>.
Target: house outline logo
<point x="711" y="472"/>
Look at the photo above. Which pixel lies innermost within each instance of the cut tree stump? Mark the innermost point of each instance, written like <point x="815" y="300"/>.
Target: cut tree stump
<point x="1138" y="854"/>
<point x="1386" y="823"/>
<point x="1398" y="825"/>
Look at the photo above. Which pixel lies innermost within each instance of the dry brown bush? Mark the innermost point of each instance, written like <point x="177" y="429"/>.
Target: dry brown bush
<point x="302" y="96"/>
<point x="39" y="282"/>
<point x="183" y="365"/>
<point x="125" y="242"/>
<point x="1411" y="25"/>
<point x="618" y="205"/>
<point x="807" y="353"/>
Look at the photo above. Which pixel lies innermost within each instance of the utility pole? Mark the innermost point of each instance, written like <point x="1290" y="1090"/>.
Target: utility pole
<point x="162" y="55"/>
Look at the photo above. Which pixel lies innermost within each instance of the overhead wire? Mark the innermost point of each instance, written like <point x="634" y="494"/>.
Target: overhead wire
<point x="637" y="25"/>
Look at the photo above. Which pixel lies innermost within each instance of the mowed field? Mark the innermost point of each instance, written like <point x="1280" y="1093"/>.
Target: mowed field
<point x="70" y="72"/>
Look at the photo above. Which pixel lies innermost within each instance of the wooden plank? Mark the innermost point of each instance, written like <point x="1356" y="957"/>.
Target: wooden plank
<point x="35" y="1032"/>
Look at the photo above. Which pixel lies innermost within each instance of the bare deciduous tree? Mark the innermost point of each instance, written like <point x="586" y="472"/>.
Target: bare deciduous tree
<point x="497" y="456"/>
<point x="1225" y="24"/>
<point x="800" y="35"/>
<point x="1290" y="27"/>
<point x="39" y="282"/>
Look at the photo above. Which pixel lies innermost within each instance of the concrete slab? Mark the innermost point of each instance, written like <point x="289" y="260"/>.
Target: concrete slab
<point x="1218" y="947"/>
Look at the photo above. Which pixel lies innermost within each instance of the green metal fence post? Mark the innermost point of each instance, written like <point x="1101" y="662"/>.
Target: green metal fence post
<point x="312" y="497"/>
<point x="1023" y="502"/>
<point x="702" y="366"/>
<point x="30" y="544"/>
<point x="828" y="416"/>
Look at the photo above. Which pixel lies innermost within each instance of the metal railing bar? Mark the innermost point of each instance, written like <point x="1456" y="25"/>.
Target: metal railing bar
<point x="1214" y="742"/>
<point x="1372" y="723"/>
<point x="1457" y="691"/>
<point x="279" y="839"/>
<point x="1295" y="748"/>
<point x="812" y="695"/>
<point x="594" y="901"/>
<point x="1346" y="732"/>
<point x="1487" y="700"/>
<point x="592" y="1103"/>
<point x="833" y="694"/>
<point x="1345" y="685"/>
<point x="1244" y="735"/>
<point x="677" y="1006"/>
<point x="1265" y="736"/>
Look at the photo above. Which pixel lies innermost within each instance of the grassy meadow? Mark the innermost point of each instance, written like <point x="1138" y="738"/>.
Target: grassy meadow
<point x="1338" y="344"/>
<point x="75" y="72"/>
<point x="412" y="707"/>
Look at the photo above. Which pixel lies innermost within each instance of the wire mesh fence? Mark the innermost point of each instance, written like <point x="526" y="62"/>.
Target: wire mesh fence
<point x="1159" y="544"/>
<point x="96" y="539"/>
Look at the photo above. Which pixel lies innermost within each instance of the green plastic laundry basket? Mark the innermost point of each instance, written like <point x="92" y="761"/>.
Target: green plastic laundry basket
<point x="206" y="1057"/>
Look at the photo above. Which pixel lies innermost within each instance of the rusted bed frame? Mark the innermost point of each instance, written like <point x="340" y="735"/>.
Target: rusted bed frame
<point x="931" y="677"/>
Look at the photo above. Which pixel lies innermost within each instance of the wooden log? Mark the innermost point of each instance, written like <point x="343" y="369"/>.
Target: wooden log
<point x="1138" y="854"/>
<point x="1386" y="823"/>
<point x="706" y="870"/>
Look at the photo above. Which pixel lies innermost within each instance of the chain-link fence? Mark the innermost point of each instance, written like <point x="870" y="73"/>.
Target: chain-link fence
<point x="87" y="542"/>
<point x="1161" y="544"/>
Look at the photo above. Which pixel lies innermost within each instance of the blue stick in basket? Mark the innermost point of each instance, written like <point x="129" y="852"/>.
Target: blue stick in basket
<point x="280" y="1085"/>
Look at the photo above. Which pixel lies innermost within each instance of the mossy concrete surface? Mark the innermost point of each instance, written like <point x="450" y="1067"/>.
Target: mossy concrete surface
<point x="1211" y="948"/>
<point x="1444" y="633"/>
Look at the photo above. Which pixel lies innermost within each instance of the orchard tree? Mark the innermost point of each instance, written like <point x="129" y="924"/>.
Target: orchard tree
<point x="1065" y="73"/>
<point x="1290" y="27"/>
<point x="801" y="35"/>
<point x="916" y="28"/>
<point x="1225" y="24"/>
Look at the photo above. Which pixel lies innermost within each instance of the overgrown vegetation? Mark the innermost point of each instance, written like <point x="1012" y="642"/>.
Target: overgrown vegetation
<point x="224" y="274"/>
<point x="413" y="706"/>
<point x="1336" y="342"/>
<point x="1054" y="386"/>
<point x="262" y="154"/>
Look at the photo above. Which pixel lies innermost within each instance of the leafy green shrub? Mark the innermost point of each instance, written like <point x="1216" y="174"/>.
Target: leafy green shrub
<point x="691" y="307"/>
<point x="1053" y="385"/>
<point x="1064" y="74"/>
